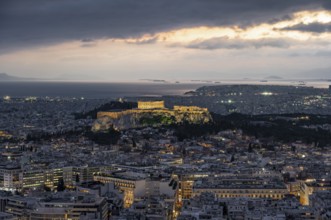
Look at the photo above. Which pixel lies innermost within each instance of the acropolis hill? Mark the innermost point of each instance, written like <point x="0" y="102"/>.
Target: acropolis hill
<point x="150" y="114"/>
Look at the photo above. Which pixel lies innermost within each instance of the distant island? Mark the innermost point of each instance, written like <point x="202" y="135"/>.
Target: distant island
<point x="155" y="80"/>
<point x="274" y="77"/>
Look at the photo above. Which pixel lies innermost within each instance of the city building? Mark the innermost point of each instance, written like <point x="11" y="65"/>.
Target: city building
<point x="241" y="186"/>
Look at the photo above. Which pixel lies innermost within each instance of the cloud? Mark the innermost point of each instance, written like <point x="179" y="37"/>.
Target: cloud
<point x="235" y="37"/>
<point x="317" y="73"/>
<point x="323" y="53"/>
<point x="88" y="45"/>
<point x="87" y="40"/>
<point x="313" y="27"/>
<point x="320" y="53"/>
<point x="43" y="22"/>
<point x="143" y="40"/>
<point x="226" y="43"/>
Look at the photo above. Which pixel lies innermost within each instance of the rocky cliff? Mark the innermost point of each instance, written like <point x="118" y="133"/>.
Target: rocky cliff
<point x="138" y="119"/>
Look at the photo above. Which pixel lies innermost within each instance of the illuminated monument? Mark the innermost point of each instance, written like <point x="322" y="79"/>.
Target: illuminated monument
<point x="153" y="113"/>
<point x="151" y="105"/>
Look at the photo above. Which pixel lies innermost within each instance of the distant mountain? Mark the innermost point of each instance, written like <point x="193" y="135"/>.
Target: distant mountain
<point x="6" y="77"/>
<point x="274" y="77"/>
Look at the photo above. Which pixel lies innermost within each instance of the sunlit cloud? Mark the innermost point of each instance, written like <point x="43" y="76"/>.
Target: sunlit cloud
<point x="264" y="31"/>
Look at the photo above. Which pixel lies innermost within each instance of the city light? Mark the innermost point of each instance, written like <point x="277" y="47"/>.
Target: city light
<point x="266" y="93"/>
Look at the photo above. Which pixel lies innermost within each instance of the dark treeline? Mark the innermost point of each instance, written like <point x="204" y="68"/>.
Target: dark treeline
<point x="288" y="130"/>
<point x="284" y="128"/>
<point x="103" y="138"/>
<point x="40" y="136"/>
<point x="111" y="136"/>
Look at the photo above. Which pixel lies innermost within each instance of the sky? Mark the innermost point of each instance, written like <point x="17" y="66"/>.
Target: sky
<point x="130" y="40"/>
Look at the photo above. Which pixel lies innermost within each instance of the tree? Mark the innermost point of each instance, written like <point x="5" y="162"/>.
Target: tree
<point x="232" y="158"/>
<point x="250" y="148"/>
<point x="60" y="185"/>
<point x="47" y="189"/>
<point x="126" y="148"/>
<point x="134" y="144"/>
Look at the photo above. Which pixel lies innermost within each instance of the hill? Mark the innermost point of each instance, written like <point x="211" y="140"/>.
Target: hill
<point x="6" y="77"/>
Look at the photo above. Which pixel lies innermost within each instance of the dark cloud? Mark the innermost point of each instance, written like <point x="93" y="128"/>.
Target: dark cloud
<point x="88" y="45"/>
<point x="283" y="18"/>
<point x="313" y="27"/>
<point x="321" y="53"/>
<point x="87" y="40"/>
<point x="226" y="43"/>
<point x="39" y="22"/>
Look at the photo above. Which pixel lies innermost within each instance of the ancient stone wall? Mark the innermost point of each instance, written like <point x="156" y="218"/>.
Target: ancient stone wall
<point x="189" y="108"/>
<point x="113" y="115"/>
<point x="117" y="115"/>
<point x="150" y="105"/>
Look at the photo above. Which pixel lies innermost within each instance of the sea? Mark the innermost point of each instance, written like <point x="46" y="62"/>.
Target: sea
<point x="97" y="90"/>
<point x="91" y="90"/>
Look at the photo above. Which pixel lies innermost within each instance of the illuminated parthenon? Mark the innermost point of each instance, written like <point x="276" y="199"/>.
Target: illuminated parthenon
<point x="151" y="105"/>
